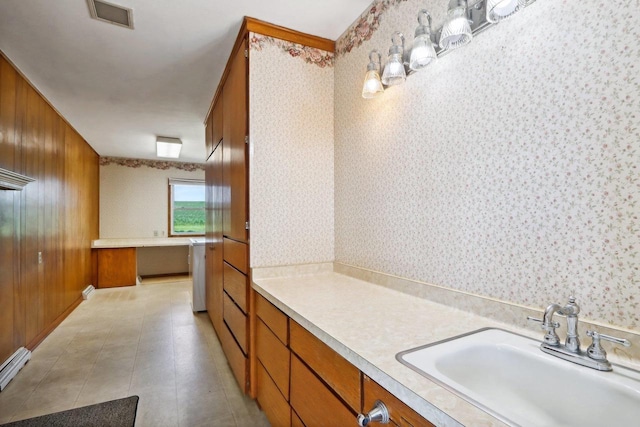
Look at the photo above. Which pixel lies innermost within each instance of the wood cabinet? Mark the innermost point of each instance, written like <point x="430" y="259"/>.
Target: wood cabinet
<point x="214" y="262"/>
<point x="235" y="152"/>
<point x="272" y="366"/>
<point x="336" y="371"/>
<point x="321" y="387"/>
<point x="227" y="266"/>
<point x="116" y="267"/>
<point x="399" y="414"/>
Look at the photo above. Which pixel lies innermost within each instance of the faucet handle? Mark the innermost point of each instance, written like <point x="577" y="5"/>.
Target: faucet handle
<point x="595" y="350"/>
<point x="533" y="319"/>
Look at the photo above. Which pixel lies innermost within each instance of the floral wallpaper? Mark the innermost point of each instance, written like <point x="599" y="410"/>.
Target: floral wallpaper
<point x="155" y="164"/>
<point x="508" y="168"/>
<point x="311" y="55"/>
<point x="291" y="155"/>
<point x="364" y="27"/>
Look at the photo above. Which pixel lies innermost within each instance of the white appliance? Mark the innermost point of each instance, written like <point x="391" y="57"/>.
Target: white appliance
<point x="196" y="271"/>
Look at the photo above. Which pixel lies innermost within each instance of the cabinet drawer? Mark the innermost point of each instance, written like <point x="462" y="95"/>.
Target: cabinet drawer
<point x="235" y="253"/>
<point x="276" y="320"/>
<point x="235" y="357"/>
<point x="314" y="403"/>
<point x="235" y="284"/>
<point x="337" y="372"/>
<point x="274" y="405"/>
<point x="399" y="413"/>
<point x="236" y="320"/>
<point x="295" y="420"/>
<point x="274" y="356"/>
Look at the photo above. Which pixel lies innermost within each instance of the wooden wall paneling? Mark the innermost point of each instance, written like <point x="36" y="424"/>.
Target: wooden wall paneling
<point x="8" y="91"/>
<point x="235" y="153"/>
<point x="48" y="268"/>
<point x="56" y="215"/>
<point x="20" y="288"/>
<point x="29" y="212"/>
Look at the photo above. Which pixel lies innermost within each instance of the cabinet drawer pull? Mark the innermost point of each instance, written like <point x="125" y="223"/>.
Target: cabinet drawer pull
<point x="378" y="414"/>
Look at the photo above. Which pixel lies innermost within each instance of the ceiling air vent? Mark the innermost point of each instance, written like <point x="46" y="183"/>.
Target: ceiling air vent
<point x="111" y="13"/>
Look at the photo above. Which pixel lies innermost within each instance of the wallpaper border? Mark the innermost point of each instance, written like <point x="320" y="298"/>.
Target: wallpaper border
<point x="311" y="55"/>
<point x="364" y="27"/>
<point x="154" y="164"/>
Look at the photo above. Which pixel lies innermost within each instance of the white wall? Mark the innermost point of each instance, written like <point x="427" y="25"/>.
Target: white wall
<point x="134" y="197"/>
<point x="291" y="163"/>
<point x="508" y="168"/>
<point x="134" y="202"/>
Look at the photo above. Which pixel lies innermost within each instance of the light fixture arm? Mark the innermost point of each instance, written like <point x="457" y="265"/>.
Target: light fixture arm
<point x="374" y="63"/>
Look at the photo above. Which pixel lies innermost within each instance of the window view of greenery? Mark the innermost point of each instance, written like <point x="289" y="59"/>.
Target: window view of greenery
<point x="188" y="209"/>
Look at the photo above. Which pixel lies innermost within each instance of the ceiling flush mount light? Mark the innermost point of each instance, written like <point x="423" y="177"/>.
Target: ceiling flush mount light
<point x="394" y="72"/>
<point x="456" y="31"/>
<point x="168" y="147"/>
<point x="422" y="52"/>
<point x="372" y="85"/>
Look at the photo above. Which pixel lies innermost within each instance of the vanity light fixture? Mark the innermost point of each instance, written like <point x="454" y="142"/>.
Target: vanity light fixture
<point x="372" y="85"/>
<point x="422" y="52"/>
<point x="168" y="147"/>
<point x="394" y="72"/>
<point x="497" y="10"/>
<point x="456" y="31"/>
<point x="465" y="19"/>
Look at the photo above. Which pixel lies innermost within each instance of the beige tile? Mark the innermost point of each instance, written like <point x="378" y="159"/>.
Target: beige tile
<point x="143" y="341"/>
<point x="195" y="406"/>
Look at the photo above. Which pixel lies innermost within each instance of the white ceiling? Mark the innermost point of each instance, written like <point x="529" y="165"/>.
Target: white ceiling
<point x="121" y="88"/>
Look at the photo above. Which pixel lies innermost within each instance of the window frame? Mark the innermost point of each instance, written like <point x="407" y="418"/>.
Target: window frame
<point x="182" y="181"/>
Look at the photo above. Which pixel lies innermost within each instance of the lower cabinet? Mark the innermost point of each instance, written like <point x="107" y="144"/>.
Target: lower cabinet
<point x="116" y="267"/>
<point x="302" y="382"/>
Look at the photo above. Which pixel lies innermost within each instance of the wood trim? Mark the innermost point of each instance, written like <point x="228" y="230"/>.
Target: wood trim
<point x="267" y="29"/>
<point x="26" y="79"/>
<point x="42" y="335"/>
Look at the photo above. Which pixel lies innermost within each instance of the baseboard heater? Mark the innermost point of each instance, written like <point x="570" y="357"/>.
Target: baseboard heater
<point x="88" y="292"/>
<point x="12" y="366"/>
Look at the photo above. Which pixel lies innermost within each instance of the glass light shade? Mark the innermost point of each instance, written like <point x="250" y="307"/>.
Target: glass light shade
<point x="168" y="147"/>
<point x="456" y="31"/>
<point x="497" y="10"/>
<point x="394" y="73"/>
<point x="422" y="52"/>
<point x="372" y="85"/>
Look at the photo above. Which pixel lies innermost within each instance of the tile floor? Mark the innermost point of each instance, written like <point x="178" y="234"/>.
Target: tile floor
<point x="141" y="340"/>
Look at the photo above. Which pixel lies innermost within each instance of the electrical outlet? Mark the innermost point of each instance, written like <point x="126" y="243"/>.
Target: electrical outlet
<point x="39" y="257"/>
<point x="155" y="233"/>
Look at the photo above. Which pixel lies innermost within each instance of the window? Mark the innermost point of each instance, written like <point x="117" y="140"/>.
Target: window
<point x="186" y="207"/>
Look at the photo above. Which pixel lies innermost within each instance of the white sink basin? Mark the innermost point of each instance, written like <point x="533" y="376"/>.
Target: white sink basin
<point x="508" y="376"/>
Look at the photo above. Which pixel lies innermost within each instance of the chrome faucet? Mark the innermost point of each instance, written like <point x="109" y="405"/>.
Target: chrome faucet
<point x="595" y="357"/>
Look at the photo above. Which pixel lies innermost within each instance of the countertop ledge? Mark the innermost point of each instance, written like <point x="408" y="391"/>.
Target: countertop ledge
<point x="369" y="324"/>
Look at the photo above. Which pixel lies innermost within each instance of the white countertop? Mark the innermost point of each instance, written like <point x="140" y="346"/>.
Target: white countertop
<point x="369" y="324"/>
<point x="141" y="242"/>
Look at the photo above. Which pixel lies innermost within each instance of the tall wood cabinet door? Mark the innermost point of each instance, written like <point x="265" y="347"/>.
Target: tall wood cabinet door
<point x="235" y="156"/>
<point x="208" y="132"/>
<point x="214" y="256"/>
